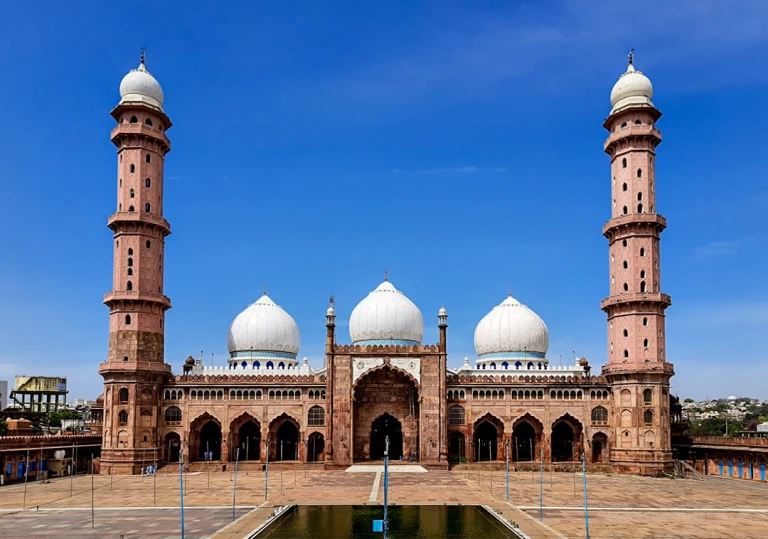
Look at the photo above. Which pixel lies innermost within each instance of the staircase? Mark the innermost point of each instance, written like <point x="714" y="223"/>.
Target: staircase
<point x="686" y="471"/>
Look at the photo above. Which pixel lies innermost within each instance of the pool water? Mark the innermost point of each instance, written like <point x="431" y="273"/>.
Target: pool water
<point x="410" y="521"/>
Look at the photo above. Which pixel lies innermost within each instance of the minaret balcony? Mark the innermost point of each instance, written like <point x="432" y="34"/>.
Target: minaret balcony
<point x="632" y="131"/>
<point x="133" y="217"/>
<point x="638" y="297"/>
<point x="143" y="130"/>
<point x="656" y="367"/>
<point x="117" y="296"/>
<point x="640" y="219"/>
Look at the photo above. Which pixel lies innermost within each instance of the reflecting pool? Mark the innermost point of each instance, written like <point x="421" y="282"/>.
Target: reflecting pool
<point x="410" y="521"/>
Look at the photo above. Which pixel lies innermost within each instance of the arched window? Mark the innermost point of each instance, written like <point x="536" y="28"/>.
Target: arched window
<point x="133" y="167"/>
<point x="624" y="187"/>
<point x="639" y="196"/>
<point x="626" y="333"/>
<point x="149" y="158"/>
<point x="173" y="414"/>
<point x="626" y="353"/>
<point x="130" y="208"/>
<point x="149" y="123"/>
<point x="645" y="321"/>
<point x="638" y="122"/>
<point x="146" y="207"/>
<point x="148" y="244"/>
<point x="122" y="396"/>
<point x="642" y="251"/>
<point x="648" y="417"/>
<point x="642" y="286"/>
<point x="134" y="120"/>
<point x="625" y="264"/>
<point x="639" y="173"/>
<point x="244" y="364"/>
<point x="505" y="365"/>
<point x="645" y="343"/>
<point x="131" y="193"/>
<point x="599" y="415"/>
<point x="256" y="364"/>
<point x="474" y="394"/>
<point x="122" y="417"/>
<point x="530" y="365"/>
<point x="270" y="365"/>
<point x="120" y="181"/>
<point x="624" y="126"/>
<point x="493" y="365"/>
<point x="127" y="319"/>
<point x="130" y="271"/>
<point x="148" y="182"/>
<point x="642" y="274"/>
<point x="626" y="287"/>
<point x="623" y="243"/>
<point x="625" y="210"/>
<point x="647" y="396"/>
<point x="559" y="394"/>
<point x="518" y="364"/>
<point x="552" y="394"/>
<point x="456" y="415"/>
<point x="624" y="163"/>
<point x="130" y="260"/>
<point x="316" y="417"/>
<point x="129" y="286"/>
<point x="639" y="208"/>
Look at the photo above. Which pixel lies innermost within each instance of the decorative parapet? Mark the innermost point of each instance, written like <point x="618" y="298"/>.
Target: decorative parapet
<point x="730" y="443"/>
<point x="44" y="441"/>
<point x="475" y="378"/>
<point x="386" y="349"/>
<point x="256" y="378"/>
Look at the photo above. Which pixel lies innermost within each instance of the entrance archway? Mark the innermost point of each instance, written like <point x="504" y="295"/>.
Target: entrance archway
<point x="599" y="447"/>
<point x="388" y="391"/>
<point x="172" y="447"/>
<point x="284" y="433"/>
<point x="456" y="446"/>
<point x="566" y="433"/>
<point x="315" y="447"/>
<point x="210" y="440"/>
<point x="249" y="440"/>
<point x="524" y="442"/>
<point x="383" y="426"/>
<point x="488" y="431"/>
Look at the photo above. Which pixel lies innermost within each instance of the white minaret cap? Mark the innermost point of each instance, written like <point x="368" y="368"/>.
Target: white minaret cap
<point x="632" y="89"/>
<point x="140" y="86"/>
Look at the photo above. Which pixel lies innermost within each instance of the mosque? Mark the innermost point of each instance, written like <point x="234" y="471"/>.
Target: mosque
<point x="267" y="404"/>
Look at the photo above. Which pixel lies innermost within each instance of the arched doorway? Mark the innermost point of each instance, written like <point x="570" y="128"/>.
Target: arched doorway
<point x="488" y="432"/>
<point x="210" y="440"/>
<point x="249" y="440"/>
<point x="284" y="433"/>
<point x="566" y="433"/>
<point x="524" y="442"/>
<point x="172" y="447"/>
<point x="204" y="435"/>
<point x="456" y="447"/>
<point x="599" y="447"/>
<point x="315" y="447"/>
<point x="382" y="427"/>
<point x="386" y="390"/>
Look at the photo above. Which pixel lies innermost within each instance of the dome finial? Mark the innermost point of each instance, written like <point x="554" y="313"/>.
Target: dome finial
<point x="265" y="289"/>
<point x="510" y="291"/>
<point x="631" y="57"/>
<point x="143" y="56"/>
<point x="331" y="301"/>
<point x="386" y="276"/>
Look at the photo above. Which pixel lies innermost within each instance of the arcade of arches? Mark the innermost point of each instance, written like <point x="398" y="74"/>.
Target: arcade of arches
<point x="386" y="403"/>
<point x="528" y="440"/>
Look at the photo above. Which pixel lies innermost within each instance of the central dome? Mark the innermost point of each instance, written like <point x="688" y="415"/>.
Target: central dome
<point x="263" y="330"/>
<point x="511" y="331"/>
<point x="140" y="85"/>
<point x="386" y="316"/>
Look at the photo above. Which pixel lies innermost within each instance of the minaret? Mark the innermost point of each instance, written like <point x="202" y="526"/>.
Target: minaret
<point x="135" y="366"/>
<point x="637" y="368"/>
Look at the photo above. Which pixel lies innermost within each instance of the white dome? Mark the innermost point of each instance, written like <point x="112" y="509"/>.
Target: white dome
<point x="511" y="331"/>
<point x="140" y="85"/>
<point x="632" y="88"/>
<point x="264" y="329"/>
<point x="386" y="316"/>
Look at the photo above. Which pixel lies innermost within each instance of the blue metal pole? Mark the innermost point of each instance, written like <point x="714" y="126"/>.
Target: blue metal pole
<point x="586" y="506"/>
<point x="506" y="456"/>
<point x="541" y="486"/>
<point x="386" y="484"/>
<point x="234" y="485"/>
<point x="266" y="478"/>
<point x="181" y="490"/>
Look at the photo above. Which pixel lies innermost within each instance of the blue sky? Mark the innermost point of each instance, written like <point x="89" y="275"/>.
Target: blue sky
<point x="316" y="144"/>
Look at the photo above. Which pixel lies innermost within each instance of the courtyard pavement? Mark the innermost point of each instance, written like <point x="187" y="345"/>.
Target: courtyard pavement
<point x="620" y="506"/>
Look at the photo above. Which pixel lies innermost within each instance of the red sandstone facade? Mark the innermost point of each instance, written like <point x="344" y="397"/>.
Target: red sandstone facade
<point x="270" y="406"/>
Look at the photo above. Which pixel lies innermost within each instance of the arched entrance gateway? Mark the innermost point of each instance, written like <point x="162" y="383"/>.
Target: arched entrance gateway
<point x="526" y="437"/>
<point x="386" y="404"/>
<point x="566" y="436"/>
<point x="205" y="435"/>
<point x="386" y="426"/>
<point x="599" y="447"/>
<point x="315" y="447"/>
<point x="245" y="435"/>
<point x="457" y="450"/>
<point x="489" y="432"/>
<point x="284" y="433"/>
<point x="172" y="447"/>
